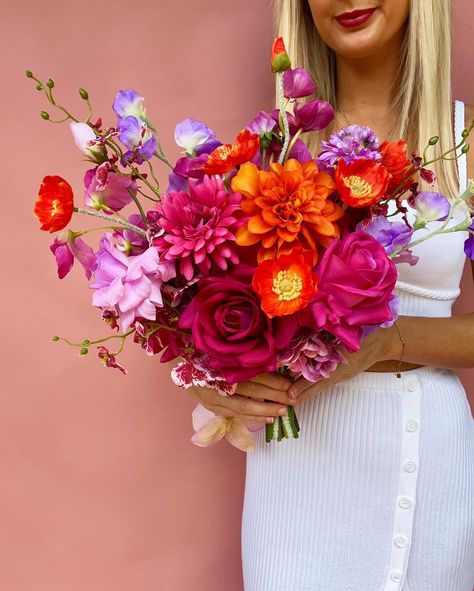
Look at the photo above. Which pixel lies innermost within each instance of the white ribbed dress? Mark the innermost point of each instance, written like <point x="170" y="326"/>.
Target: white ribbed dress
<point x="377" y="494"/>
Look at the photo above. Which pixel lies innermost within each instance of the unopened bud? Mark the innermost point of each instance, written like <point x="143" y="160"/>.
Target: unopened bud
<point x="50" y="83"/>
<point x="29" y="74"/>
<point x="85" y="343"/>
<point x="45" y="115"/>
<point x="465" y="149"/>
<point x="84" y="94"/>
<point x="433" y="140"/>
<point x="39" y="86"/>
<point x="84" y="351"/>
<point x="265" y="140"/>
<point x="465" y="133"/>
<point x="55" y="338"/>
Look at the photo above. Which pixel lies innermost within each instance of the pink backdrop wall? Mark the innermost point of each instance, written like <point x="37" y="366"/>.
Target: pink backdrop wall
<point x="101" y="489"/>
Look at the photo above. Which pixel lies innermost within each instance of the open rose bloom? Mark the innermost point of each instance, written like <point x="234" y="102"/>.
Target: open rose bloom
<point x="258" y="256"/>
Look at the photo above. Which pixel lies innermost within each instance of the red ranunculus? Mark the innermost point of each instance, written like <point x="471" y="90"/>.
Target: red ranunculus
<point x="395" y="160"/>
<point x="54" y="205"/>
<point x="361" y="183"/>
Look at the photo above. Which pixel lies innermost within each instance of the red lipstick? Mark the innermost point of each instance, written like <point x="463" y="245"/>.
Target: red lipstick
<point x="355" y="18"/>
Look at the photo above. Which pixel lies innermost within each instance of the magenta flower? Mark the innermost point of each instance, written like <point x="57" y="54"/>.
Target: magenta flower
<point x="129" y="241"/>
<point x="105" y="190"/>
<point x="313" y="116"/>
<point x="131" y="285"/>
<point x="108" y="359"/>
<point x="262" y="123"/>
<point x="297" y="83"/>
<point x="393" y="236"/>
<point x="199" y="227"/>
<point x="66" y="247"/>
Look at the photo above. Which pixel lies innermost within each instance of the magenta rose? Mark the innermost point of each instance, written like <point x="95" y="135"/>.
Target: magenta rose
<point x="229" y="326"/>
<point x="355" y="289"/>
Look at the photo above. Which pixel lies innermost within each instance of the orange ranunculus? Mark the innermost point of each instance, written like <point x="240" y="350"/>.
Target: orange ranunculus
<point x="54" y="205"/>
<point x="395" y="160"/>
<point x="287" y="284"/>
<point x="361" y="183"/>
<point x="287" y="208"/>
<point x="228" y="156"/>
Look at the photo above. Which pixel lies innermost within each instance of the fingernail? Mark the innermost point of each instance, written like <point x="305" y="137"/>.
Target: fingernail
<point x="282" y="411"/>
<point x="269" y="420"/>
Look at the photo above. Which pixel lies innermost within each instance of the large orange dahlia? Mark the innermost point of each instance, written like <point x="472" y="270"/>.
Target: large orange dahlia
<point x="288" y="208"/>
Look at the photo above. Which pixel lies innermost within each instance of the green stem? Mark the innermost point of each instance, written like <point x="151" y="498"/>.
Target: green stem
<point x="293" y="141"/>
<point x="138" y="204"/>
<point x="284" y="118"/>
<point x="113" y="219"/>
<point x="88" y="343"/>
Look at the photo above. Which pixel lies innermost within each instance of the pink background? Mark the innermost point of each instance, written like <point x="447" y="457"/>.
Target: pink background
<point x="101" y="489"/>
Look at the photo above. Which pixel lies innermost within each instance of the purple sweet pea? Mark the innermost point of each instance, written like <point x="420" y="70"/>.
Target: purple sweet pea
<point x="131" y="285"/>
<point x="351" y="143"/>
<point x="190" y="133"/>
<point x="313" y="116"/>
<point x="263" y="123"/>
<point x="129" y="102"/>
<point x="430" y="207"/>
<point x="393" y="236"/>
<point x="106" y="190"/>
<point x="66" y="247"/>
<point x="297" y="83"/>
<point x="134" y="134"/>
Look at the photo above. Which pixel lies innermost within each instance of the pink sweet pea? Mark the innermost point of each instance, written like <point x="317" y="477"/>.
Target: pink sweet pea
<point x="107" y="190"/>
<point x="66" y="247"/>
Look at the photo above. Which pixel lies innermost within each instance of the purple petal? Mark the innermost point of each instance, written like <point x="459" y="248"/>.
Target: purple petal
<point x="129" y="102"/>
<point x="64" y="257"/>
<point x="297" y="83"/>
<point x="430" y="207"/>
<point x="191" y="133"/>
<point x="84" y="254"/>
<point x="262" y="123"/>
<point x="469" y="246"/>
<point x="314" y="116"/>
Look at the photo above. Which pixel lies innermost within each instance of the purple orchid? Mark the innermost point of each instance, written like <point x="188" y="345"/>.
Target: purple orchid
<point x="262" y="123"/>
<point x="108" y="191"/>
<point x="190" y="134"/>
<point x="430" y="207"/>
<point x="313" y="116"/>
<point x="351" y="143"/>
<point x="393" y="236"/>
<point x="297" y="83"/>
<point x="68" y="246"/>
<point x="134" y="134"/>
<point x="131" y="285"/>
<point x="129" y="102"/>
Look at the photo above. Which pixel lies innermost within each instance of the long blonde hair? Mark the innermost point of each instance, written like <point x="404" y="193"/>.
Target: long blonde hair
<point x="423" y="100"/>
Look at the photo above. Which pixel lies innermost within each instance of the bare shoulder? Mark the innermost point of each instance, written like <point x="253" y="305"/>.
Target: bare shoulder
<point x="469" y="117"/>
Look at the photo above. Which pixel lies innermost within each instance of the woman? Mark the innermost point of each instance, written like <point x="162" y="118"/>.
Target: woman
<point x="377" y="494"/>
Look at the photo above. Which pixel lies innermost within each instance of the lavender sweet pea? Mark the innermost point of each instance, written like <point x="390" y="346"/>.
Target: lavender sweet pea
<point x="351" y="143"/>
<point x="430" y="207"/>
<point x="262" y="123"/>
<point x="129" y="102"/>
<point x="469" y="244"/>
<point x="134" y="134"/>
<point x="393" y="236"/>
<point x="297" y="83"/>
<point x="190" y="134"/>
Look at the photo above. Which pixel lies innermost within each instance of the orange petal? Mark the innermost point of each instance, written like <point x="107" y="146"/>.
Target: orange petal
<point x="245" y="238"/>
<point x="246" y="181"/>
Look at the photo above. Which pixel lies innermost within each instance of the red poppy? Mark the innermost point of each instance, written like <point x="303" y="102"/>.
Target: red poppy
<point x="361" y="183"/>
<point x="226" y="157"/>
<point x="54" y="205"/>
<point x="287" y="284"/>
<point x="395" y="160"/>
<point x="280" y="58"/>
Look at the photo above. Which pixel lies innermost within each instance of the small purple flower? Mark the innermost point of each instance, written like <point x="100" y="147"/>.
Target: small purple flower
<point x="129" y="241"/>
<point x="66" y="247"/>
<point x="189" y="134"/>
<point x="129" y="102"/>
<point x="313" y="116"/>
<point x="297" y="83"/>
<point x="393" y="236"/>
<point x="131" y="285"/>
<point x="430" y="207"/>
<point x="106" y="190"/>
<point x="350" y="143"/>
<point x="134" y="134"/>
<point x="262" y="123"/>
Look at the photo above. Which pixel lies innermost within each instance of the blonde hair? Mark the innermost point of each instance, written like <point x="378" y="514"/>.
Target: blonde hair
<point x="423" y="100"/>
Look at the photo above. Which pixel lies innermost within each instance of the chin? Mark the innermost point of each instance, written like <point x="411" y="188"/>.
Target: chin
<point x="357" y="46"/>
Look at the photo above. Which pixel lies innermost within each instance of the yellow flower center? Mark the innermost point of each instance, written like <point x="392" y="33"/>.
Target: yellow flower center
<point x="287" y="285"/>
<point x="55" y="206"/>
<point x="359" y="187"/>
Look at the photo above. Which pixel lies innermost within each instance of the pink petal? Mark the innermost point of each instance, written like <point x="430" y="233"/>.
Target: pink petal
<point x="211" y="433"/>
<point x="239" y="436"/>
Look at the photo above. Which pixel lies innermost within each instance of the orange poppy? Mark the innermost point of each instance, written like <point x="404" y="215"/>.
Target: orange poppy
<point x="361" y="183"/>
<point x="54" y="205"/>
<point x="285" y="285"/>
<point x="287" y="208"/>
<point x="395" y="160"/>
<point x="226" y="157"/>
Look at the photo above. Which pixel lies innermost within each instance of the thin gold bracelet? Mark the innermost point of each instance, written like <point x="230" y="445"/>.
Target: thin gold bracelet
<point x="399" y="372"/>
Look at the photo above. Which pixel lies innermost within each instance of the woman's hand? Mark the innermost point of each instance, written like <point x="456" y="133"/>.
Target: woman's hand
<point x="379" y="346"/>
<point x="260" y="400"/>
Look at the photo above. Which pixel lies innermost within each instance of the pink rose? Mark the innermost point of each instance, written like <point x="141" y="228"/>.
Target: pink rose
<point x="355" y="289"/>
<point x="229" y="326"/>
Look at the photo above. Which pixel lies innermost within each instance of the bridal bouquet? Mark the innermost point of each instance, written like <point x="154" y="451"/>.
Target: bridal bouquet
<point x="257" y="257"/>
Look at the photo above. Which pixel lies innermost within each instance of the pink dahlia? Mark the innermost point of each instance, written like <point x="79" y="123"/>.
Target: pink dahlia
<point x="199" y="227"/>
<point x="311" y="356"/>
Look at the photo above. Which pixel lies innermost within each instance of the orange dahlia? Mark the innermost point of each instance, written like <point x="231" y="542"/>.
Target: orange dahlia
<point x="226" y="157"/>
<point x="54" y="205"/>
<point x="361" y="183"/>
<point x="287" y="208"/>
<point x="287" y="284"/>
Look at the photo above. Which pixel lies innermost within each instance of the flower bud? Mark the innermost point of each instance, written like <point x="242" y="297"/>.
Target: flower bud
<point x="85" y="343"/>
<point x="280" y="59"/>
<point x="45" y="115"/>
<point x="433" y="140"/>
<point x="55" y="338"/>
<point x="29" y="74"/>
<point x="39" y="86"/>
<point x="265" y="140"/>
<point x="84" y="94"/>
<point x="464" y="133"/>
<point x="50" y="83"/>
<point x="465" y="149"/>
<point x="84" y="351"/>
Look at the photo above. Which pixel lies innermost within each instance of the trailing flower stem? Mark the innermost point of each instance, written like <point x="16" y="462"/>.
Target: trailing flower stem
<point x="112" y="219"/>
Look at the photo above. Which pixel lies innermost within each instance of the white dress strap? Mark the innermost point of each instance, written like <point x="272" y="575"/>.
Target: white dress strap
<point x="459" y="125"/>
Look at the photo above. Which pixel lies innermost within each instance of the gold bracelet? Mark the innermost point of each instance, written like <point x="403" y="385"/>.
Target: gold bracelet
<point x="399" y="372"/>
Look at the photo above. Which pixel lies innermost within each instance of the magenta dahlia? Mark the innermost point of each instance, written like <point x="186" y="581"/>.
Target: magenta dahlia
<point x="199" y="227"/>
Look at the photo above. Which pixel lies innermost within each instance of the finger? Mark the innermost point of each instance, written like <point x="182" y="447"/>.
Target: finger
<point x="244" y="406"/>
<point x="272" y="380"/>
<point x="262" y="392"/>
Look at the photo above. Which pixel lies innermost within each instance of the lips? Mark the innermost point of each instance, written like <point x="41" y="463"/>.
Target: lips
<point x="356" y="18"/>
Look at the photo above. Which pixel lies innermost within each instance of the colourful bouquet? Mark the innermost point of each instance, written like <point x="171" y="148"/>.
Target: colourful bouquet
<point x="258" y="257"/>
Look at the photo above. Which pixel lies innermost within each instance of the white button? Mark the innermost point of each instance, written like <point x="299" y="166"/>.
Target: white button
<point x="409" y="466"/>
<point x="396" y="575"/>
<point x="412" y="386"/>
<point x="404" y="502"/>
<point x="411" y="426"/>
<point x="401" y="540"/>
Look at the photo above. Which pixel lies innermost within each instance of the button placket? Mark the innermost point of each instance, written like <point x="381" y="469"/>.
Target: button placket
<point x="410" y="394"/>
